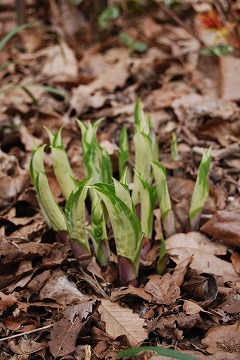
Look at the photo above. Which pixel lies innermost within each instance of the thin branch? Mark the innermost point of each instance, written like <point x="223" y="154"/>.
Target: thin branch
<point x="177" y="19"/>
<point x="26" y="333"/>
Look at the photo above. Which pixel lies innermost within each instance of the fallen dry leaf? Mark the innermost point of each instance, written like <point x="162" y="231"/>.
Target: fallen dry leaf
<point x="223" y="340"/>
<point x="65" y="331"/>
<point x="163" y="289"/>
<point x="58" y="286"/>
<point x="25" y="346"/>
<point x="122" y="321"/>
<point x="61" y="65"/>
<point x="224" y="225"/>
<point x="235" y="258"/>
<point x="131" y="290"/>
<point x="6" y="300"/>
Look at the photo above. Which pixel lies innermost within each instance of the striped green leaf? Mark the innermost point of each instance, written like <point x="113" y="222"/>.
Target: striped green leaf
<point x="61" y="166"/>
<point x="201" y="190"/>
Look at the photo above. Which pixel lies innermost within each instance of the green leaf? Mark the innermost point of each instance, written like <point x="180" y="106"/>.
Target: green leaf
<point x="125" y="224"/>
<point x="147" y="197"/>
<point x="123" y="155"/>
<point x="201" y="190"/>
<point x="75" y="215"/>
<point x="143" y="158"/>
<point x="174" y="147"/>
<point x="13" y="33"/>
<point x="108" y="14"/>
<point x="122" y="191"/>
<point x="162" y="261"/>
<point x="50" y="209"/>
<point x="98" y="231"/>
<point x="105" y="165"/>
<point x="174" y="354"/>
<point x="90" y="147"/>
<point x="163" y="198"/>
<point x="140" y="46"/>
<point x="61" y="166"/>
<point x="218" y="50"/>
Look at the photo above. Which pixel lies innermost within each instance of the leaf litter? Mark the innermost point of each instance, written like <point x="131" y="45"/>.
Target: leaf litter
<point x="194" y="306"/>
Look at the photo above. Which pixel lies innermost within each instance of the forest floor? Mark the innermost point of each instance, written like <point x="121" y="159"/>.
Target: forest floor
<point x="63" y="68"/>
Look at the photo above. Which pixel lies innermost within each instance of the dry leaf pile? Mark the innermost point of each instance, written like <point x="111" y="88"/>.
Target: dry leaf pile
<point x="52" y="305"/>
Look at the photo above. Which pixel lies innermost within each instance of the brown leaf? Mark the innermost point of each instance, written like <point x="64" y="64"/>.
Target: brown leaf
<point x="235" y="258"/>
<point x="131" y="290"/>
<point x="224" y="340"/>
<point x="201" y="287"/>
<point x="25" y="346"/>
<point x="163" y="289"/>
<point x="6" y="300"/>
<point x="224" y="225"/>
<point x="65" y="332"/>
<point x="61" y="64"/>
<point x="122" y="321"/>
<point x="62" y="290"/>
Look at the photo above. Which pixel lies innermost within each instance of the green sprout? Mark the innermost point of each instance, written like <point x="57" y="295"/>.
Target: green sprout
<point x="51" y="211"/>
<point x="98" y="231"/>
<point x="126" y="229"/>
<point x="174" y="147"/>
<point x="90" y="147"/>
<point x="201" y="190"/>
<point x="162" y="260"/>
<point x="164" y="198"/>
<point x="173" y="354"/>
<point x="123" y="155"/>
<point x="147" y="197"/>
<point x="61" y="166"/>
<point x="75" y="216"/>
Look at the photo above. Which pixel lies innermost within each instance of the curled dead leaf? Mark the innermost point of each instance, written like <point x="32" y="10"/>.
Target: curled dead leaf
<point x="224" y="225"/>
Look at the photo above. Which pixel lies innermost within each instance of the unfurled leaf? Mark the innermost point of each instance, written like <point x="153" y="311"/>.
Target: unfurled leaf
<point x="61" y="166"/>
<point x="143" y="158"/>
<point x="123" y="155"/>
<point x="174" y="354"/>
<point x="122" y="191"/>
<point x="127" y="231"/>
<point x="75" y="215"/>
<point x="147" y="197"/>
<point x="201" y="190"/>
<point x="105" y="166"/>
<point x="89" y="147"/>
<point x="51" y="211"/>
<point x="163" y="198"/>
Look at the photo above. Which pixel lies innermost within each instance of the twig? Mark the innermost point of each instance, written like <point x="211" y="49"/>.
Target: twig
<point x="177" y="19"/>
<point x="26" y="333"/>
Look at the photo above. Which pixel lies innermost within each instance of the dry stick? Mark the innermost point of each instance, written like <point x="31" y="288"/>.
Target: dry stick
<point x="26" y="333"/>
<point x="177" y="19"/>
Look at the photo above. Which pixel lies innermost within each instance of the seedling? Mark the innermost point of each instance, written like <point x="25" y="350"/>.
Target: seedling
<point x="52" y="213"/>
<point x="174" y="147"/>
<point x="126" y="229"/>
<point x="75" y="215"/>
<point x="201" y="190"/>
<point x="164" y="198"/>
<point x="123" y="155"/>
<point x="61" y="166"/>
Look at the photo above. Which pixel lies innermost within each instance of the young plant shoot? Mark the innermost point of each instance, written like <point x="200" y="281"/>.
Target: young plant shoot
<point x="51" y="211"/>
<point x="61" y="166"/>
<point x="174" y="147"/>
<point x="98" y="232"/>
<point x="123" y="155"/>
<point x="75" y="215"/>
<point x="201" y="190"/>
<point x="162" y="261"/>
<point x="164" y="198"/>
<point x="90" y="147"/>
<point x="126" y="229"/>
